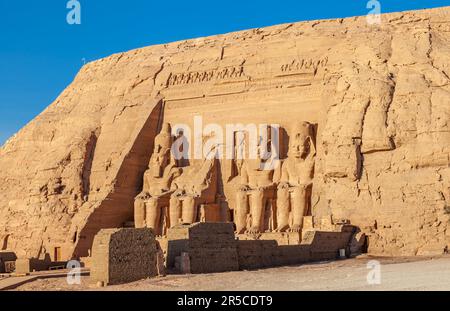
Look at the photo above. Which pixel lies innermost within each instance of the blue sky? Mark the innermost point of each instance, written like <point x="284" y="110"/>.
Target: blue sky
<point x="40" y="53"/>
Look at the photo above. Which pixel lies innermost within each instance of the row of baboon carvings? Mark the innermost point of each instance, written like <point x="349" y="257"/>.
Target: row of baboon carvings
<point x="205" y="76"/>
<point x="233" y="72"/>
<point x="174" y="193"/>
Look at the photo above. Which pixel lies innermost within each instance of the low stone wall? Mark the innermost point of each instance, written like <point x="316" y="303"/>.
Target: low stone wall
<point x="123" y="255"/>
<point x="325" y="245"/>
<point x="7" y="261"/>
<point x="282" y="238"/>
<point x="315" y="246"/>
<point x="176" y="243"/>
<point x="254" y="254"/>
<point x="212" y="247"/>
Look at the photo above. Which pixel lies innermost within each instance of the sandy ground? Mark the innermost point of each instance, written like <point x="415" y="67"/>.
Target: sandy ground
<point x="351" y="274"/>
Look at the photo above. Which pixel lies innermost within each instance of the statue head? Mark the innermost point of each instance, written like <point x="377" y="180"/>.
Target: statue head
<point x="161" y="152"/>
<point x="164" y="139"/>
<point x="301" y="144"/>
<point x="166" y="129"/>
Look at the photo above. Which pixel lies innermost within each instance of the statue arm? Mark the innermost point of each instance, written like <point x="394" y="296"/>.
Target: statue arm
<point x="176" y="182"/>
<point x="310" y="176"/>
<point x="244" y="181"/>
<point x="206" y="176"/>
<point x="146" y="181"/>
<point x="284" y="180"/>
<point x="204" y="185"/>
<point x="277" y="175"/>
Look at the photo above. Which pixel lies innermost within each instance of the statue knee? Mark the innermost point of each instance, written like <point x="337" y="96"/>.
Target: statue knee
<point x="282" y="195"/>
<point x="299" y="191"/>
<point x="189" y="201"/>
<point x="241" y="195"/>
<point x="241" y="201"/>
<point x="174" y="210"/>
<point x="152" y="203"/>
<point x="174" y="200"/>
<point x="189" y="213"/>
<point x="258" y="194"/>
<point x="139" y="214"/>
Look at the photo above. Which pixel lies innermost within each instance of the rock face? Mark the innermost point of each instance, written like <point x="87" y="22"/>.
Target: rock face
<point x="377" y="96"/>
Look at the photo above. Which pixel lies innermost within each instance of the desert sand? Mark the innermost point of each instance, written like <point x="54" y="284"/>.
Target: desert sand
<point x="396" y="274"/>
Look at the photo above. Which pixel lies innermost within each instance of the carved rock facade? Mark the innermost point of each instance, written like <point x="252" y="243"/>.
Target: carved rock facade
<point x="377" y="97"/>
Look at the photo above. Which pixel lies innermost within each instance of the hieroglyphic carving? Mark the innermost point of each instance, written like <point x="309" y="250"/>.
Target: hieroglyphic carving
<point x="192" y="77"/>
<point x="304" y="65"/>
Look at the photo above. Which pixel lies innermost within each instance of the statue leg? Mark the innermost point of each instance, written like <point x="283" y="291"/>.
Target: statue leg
<point x="257" y="210"/>
<point x="299" y="205"/>
<point x="174" y="211"/>
<point x="189" y="210"/>
<point x="153" y="215"/>
<point x="241" y="211"/>
<point x="139" y="213"/>
<point x="283" y="205"/>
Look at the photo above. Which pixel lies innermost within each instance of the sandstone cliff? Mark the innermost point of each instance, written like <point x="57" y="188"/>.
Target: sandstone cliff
<point x="379" y="94"/>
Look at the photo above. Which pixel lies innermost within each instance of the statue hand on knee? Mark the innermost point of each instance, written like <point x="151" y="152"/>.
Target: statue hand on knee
<point x="244" y="188"/>
<point x="143" y="196"/>
<point x="283" y="185"/>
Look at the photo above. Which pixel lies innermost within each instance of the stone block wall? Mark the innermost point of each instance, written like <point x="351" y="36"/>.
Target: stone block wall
<point x="6" y="257"/>
<point x="35" y="264"/>
<point x="271" y="249"/>
<point x="23" y="266"/>
<point x="315" y="246"/>
<point x="282" y="238"/>
<point x="326" y="245"/>
<point x="123" y="255"/>
<point x="253" y="254"/>
<point x="211" y="247"/>
<point x="177" y="243"/>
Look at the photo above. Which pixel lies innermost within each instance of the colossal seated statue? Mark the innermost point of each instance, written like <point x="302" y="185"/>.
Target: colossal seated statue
<point x="297" y="172"/>
<point x="256" y="188"/>
<point x="157" y="185"/>
<point x="197" y="185"/>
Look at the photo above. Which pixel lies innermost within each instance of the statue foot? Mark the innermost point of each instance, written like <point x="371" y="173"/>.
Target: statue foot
<point x="282" y="229"/>
<point x="253" y="230"/>
<point x="240" y="231"/>
<point x="296" y="228"/>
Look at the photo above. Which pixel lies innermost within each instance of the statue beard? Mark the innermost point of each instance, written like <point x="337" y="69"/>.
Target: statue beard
<point x="157" y="171"/>
<point x="300" y="155"/>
